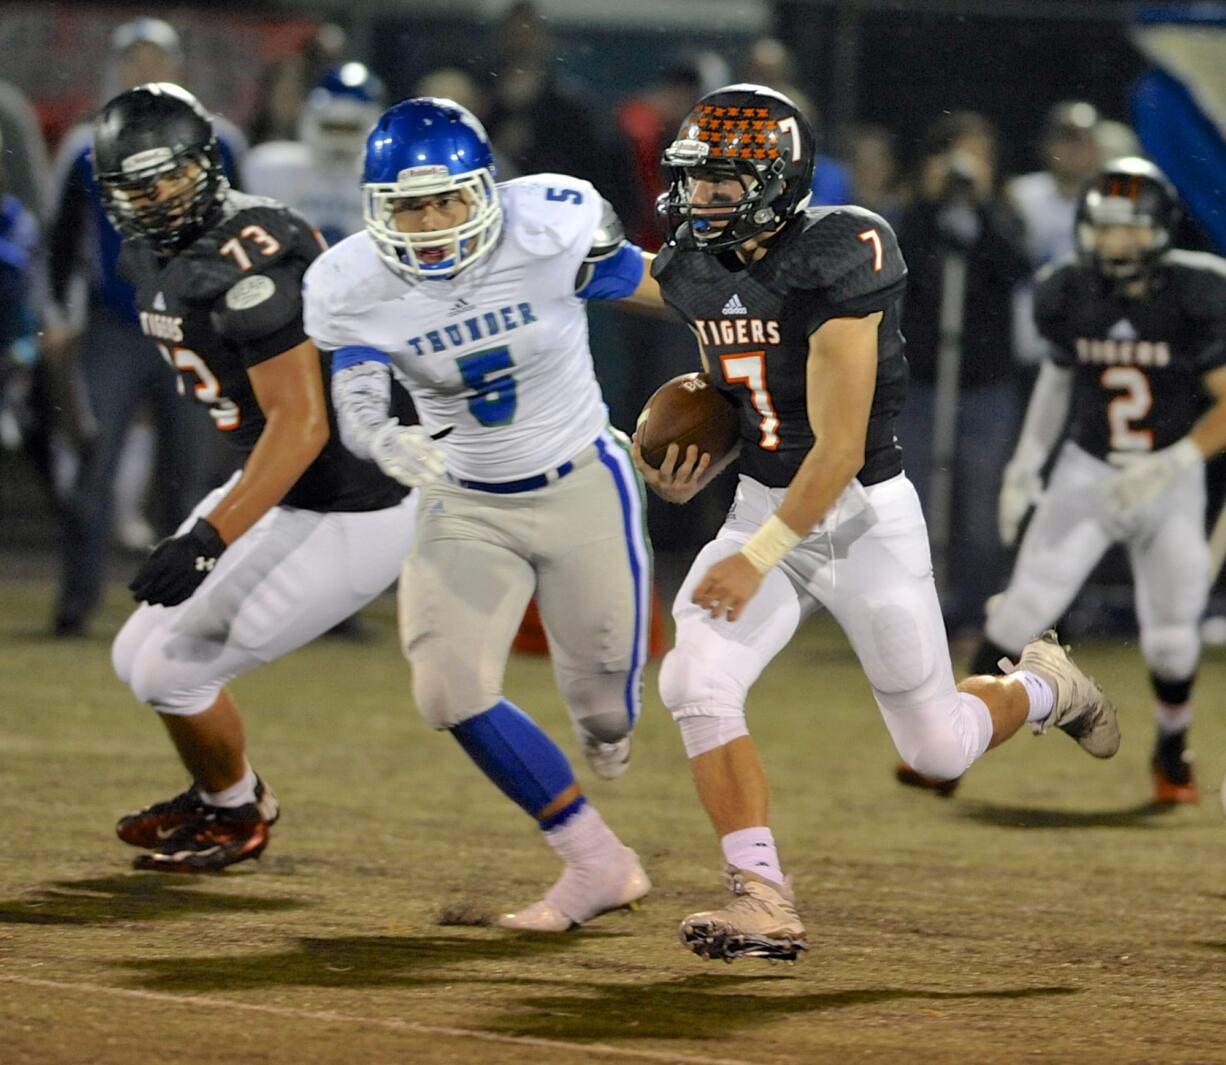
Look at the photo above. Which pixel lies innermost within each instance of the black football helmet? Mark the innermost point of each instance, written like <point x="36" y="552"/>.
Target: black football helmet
<point x="1129" y="192"/>
<point x="750" y="133"/>
<point x="151" y="133"/>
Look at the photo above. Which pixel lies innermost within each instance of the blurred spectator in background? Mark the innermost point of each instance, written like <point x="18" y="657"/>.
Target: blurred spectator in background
<point x="284" y="84"/>
<point x="770" y="62"/>
<point x="19" y="323"/>
<point x="319" y="174"/>
<point x="874" y="171"/>
<point x="27" y="171"/>
<point x="540" y="121"/>
<point x="1046" y="202"/>
<point x="965" y="252"/>
<point x="456" y="83"/>
<point x="92" y="322"/>
<point x="1116" y="140"/>
<point x="648" y="123"/>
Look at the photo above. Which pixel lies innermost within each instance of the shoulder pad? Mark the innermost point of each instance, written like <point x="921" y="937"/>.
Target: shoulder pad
<point x="847" y="251"/>
<point x="609" y="236"/>
<point x="663" y="257"/>
<point x="1052" y="284"/>
<point x="552" y="213"/>
<point x="256" y="234"/>
<point x="1200" y="280"/>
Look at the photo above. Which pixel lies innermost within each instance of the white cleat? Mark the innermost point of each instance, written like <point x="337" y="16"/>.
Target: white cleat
<point x="581" y="893"/>
<point x="760" y="922"/>
<point x="1080" y="708"/>
<point x="608" y="760"/>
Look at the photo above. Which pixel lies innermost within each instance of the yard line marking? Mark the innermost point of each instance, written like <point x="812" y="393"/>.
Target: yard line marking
<point x="392" y="1023"/>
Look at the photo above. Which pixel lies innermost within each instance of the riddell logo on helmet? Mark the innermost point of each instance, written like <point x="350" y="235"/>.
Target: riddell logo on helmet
<point x="727" y="331"/>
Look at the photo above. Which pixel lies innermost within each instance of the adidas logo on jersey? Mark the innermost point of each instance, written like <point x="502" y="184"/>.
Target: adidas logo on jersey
<point x="461" y="306"/>
<point x="734" y="306"/>
<point x="1122" y="330"/>
<point x="159" y="302"/>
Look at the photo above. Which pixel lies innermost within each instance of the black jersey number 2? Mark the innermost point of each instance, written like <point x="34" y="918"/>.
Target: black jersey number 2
<point x="206" y="388"/>
<point x="1133" y="403"/>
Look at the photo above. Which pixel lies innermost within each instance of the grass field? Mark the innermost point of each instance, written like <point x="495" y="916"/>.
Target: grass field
<point x="1045" y="914"/>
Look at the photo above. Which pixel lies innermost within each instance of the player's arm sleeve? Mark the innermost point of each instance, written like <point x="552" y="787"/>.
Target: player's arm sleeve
<point x="853" y="264"/>
<point x="361" y="395"/>
<point x="613" y="266"/>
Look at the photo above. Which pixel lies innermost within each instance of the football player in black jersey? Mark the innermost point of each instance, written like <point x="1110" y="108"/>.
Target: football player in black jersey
<point x="1138" y="375"/>
<point x="301" y="537"/>
<point x="796" y="310"/>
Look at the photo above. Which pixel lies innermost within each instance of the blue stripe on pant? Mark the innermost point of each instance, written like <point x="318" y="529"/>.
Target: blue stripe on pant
<point x="621" y="467"/>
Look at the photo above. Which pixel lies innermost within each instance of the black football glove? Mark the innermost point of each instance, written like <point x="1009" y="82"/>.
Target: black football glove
<point x="178" y="566"/>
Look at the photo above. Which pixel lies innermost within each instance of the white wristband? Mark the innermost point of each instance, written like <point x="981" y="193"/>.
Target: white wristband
<point x="766" y="548"/>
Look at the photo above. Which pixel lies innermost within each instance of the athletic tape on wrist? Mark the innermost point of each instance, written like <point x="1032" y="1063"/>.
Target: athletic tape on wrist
<point x="766" y="548"/>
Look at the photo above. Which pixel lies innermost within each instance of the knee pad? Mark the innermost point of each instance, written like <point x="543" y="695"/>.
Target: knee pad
<point x="1172" y="652"/>
<point x="689" y="678"/>
<point x="601" y="705"/>
<point x="703" y="729"/>
<point x="446" y="692"/>
<point x="164" y="684"/>
<point x="946" y="738"/>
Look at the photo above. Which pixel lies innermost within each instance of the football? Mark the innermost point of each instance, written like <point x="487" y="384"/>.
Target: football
<point x="687" y="410"/>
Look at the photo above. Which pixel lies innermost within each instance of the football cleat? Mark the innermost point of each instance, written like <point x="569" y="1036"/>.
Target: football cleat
<point x="913" y="778"/>
<point x="151" y="827"/>
<point x="608" y="760"/>
<point x="760" y="922"/>
<point x="1080" y="708"/>
<point x="1174" y="782"/>
<point x="190" y="836"/>
<point x="581" y="893"/>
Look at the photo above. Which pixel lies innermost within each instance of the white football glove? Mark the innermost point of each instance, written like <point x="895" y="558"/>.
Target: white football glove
<point x="407" y="454"/>
<point x="1020" y="490"/>
<point x="1144" y="477"/>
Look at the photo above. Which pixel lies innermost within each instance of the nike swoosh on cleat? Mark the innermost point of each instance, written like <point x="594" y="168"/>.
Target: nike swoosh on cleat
<point x="164" y="833"/>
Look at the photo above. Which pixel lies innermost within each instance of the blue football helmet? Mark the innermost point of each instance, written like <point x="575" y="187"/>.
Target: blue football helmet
<point x="340" y="110"/>
<point x="430" y="147"/>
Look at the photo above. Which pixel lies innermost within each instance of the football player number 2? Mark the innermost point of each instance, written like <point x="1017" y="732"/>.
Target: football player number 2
<point x="749" y="369"/>
<point x="1132" y="404"/>
<point x="207" y="389"/>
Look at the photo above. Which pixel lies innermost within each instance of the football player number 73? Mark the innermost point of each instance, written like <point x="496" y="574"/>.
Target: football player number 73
<point x="207" y="389"/>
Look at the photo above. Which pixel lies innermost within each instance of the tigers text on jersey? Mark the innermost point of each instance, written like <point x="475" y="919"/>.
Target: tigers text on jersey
<point x="755" y="322"/>
<point x="501" y="351"/>
<point x="1137" y="363"/>
<point x="229" y="301"/>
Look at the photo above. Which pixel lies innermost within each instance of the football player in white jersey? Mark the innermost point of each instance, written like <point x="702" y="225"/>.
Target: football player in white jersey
<point x="472" y="293"/>
<point x="317" y="175"/>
